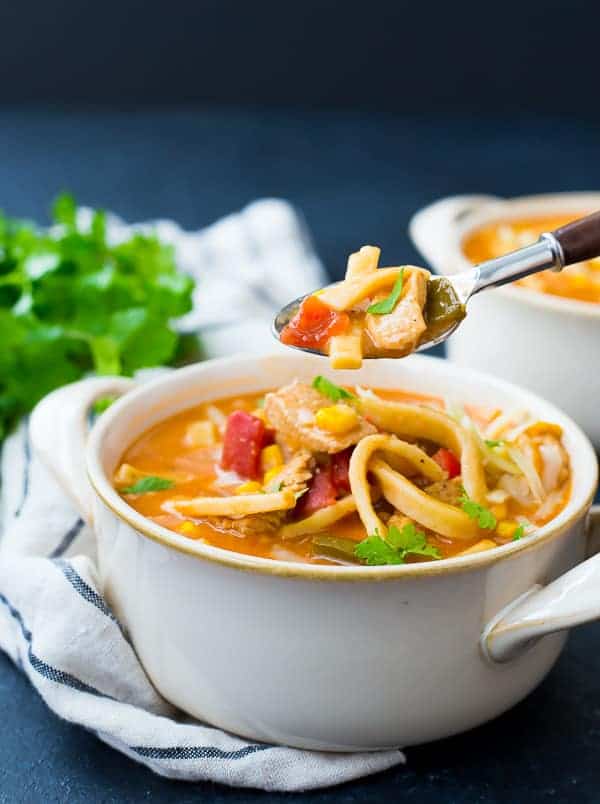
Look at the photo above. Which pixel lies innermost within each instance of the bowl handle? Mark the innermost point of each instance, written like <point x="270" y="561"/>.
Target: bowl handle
<point x="431" y="228"/>
<point x="573" y="599"/>
<point x="59" y="427"/>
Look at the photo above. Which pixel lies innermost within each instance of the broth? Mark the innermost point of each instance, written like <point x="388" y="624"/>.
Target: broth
<point x="173" y="450"/>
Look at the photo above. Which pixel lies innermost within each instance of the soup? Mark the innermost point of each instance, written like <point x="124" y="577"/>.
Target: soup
<point x="581" y="281"/>
<point x="326" y="474"/>
<point x="374" y="312"/>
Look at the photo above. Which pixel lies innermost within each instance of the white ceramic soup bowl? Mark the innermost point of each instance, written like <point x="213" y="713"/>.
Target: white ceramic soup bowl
<point x="546" y="343"/>
<point x="324" y="657"/>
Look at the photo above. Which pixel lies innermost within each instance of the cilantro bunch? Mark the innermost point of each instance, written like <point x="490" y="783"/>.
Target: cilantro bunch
<point x="71" y="303"/>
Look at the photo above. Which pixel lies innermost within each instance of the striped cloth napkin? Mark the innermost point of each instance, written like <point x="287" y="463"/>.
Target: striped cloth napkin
<point x="54" y="623"/>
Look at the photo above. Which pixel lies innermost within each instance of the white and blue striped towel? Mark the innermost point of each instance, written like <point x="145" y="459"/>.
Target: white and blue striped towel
<point x="54" y="623"/>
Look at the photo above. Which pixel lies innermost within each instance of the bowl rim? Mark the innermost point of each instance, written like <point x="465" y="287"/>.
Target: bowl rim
<point x="496" y="210"/>
<point x="107" y="494"/>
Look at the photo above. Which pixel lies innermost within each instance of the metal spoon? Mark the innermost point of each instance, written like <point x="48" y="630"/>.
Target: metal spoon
<point x="576" y="242"/>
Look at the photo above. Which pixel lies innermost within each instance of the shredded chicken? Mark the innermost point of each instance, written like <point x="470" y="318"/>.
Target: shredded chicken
<point x="517" y="488"/>
<point x="294" y="475"/>
<point x="291" y="412"/>
<point x="554" y="460"/>
<point x="401" y="330"/>
<point x="447" y="491"/>
<point x="254" y="525"/>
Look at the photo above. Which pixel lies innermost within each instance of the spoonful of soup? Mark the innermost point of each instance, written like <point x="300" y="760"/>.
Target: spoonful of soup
<point x="392" y="312"/>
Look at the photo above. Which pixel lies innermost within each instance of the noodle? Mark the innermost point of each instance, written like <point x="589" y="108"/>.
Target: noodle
<point x="363" y="262"/>
<point x="409" y="455"/>
<point x="237" y="506"/>
<point x="317" y="522"/>
<point x="345" y="351"/>
<point x="438" y="516"/>
<point x="415" y="421"/>
<point x="350" y="292"/>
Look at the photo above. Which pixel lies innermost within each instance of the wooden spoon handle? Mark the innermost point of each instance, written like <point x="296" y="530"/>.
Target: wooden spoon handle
<point x="580" y="240"/>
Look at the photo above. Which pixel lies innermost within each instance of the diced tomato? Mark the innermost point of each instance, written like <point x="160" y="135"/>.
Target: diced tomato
<point x="340" y="463"/>
<point x="245" y="436"/>
<point x="320" y="494"/>
<point x="314" y="324"/>
<point x="448" y="461"/>
<point x="269" y="437"/>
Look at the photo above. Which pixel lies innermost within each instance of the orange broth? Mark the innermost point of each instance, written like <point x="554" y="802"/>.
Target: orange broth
<point x="162" y="451"/>
<point x="580" y="282"/>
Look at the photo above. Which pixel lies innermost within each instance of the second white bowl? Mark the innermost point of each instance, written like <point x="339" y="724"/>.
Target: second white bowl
<point x="546" y="343"/>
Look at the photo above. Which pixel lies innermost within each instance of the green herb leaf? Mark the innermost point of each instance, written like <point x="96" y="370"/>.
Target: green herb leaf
<point x="146" y="484"/>
<point x="375" y="550"/>
<point x="519" y="533"/>
<point x="386" y="306"/>
<point x="485" y="518"/>
<point x="64" y="209"/>
<point x="411" y="540"/>
<point x="330" y="389"/>
<point x="491" y="443"/>
<point x="102" y="404"/>
<point x="71" y="303"/>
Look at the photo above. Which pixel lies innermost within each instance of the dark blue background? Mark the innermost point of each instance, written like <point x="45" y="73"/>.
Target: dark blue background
<point x="517" y="57"/>
<point x="358" y="177"/>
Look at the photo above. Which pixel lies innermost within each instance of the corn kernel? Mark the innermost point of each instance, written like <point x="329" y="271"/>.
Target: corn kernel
<point x="540" y="428"/>
<point x="507" y="528"/>
<point x="500" y="511"/>
<point x="187" y="528"/>
<point x="271" y="457"/>
<point x="337" y="418"/>
<point x="484" y="544"/>
<point x="271" y="475"/>
<point x="200" y="434"/>
<point x="250" y="487"/>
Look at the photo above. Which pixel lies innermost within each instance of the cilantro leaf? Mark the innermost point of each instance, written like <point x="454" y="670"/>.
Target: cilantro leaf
<point x="492" y="443"/>
<point x="411" y="540"/>
<point x="102" y="404"/>
<point x="396" y="545"/>
<point x="376" y="551"/>
<point x="519" y="533"/>
<point x="485" y="518"/>
<point x="406" y="538"/>
<point x="146" y="484"/>
<point x="330" y="389"/>
<point x="386" y="306"/>
<point x="64" y="209"/>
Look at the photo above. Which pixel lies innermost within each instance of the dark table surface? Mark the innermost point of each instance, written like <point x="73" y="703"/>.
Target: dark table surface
<point x="357" y="179"/>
